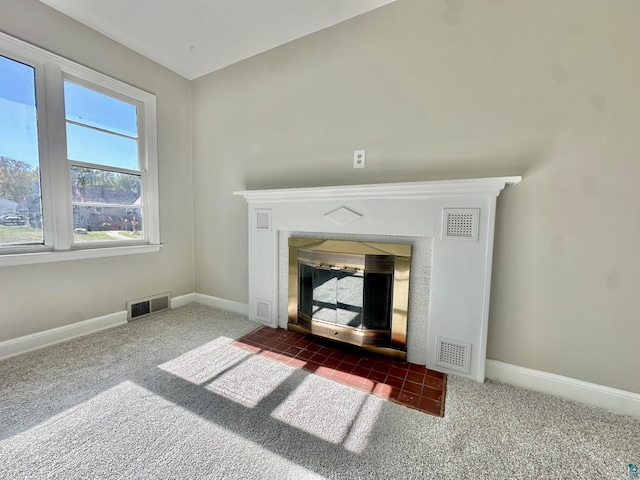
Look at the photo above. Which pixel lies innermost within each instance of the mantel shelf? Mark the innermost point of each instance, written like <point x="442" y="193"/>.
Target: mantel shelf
<point x="491" y="186"/>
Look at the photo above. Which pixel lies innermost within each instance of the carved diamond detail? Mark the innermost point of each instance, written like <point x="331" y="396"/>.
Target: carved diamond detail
<point x="342" y="216"/>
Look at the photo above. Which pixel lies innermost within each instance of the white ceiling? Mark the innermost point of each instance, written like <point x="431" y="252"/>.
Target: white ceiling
<point x="196" y="37"/>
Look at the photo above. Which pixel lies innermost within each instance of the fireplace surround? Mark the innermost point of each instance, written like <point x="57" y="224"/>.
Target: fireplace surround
<point x="453" y="219"/>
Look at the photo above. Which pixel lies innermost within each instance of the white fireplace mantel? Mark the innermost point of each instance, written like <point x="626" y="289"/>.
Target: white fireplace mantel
<point x="442" y="188"/>
<point x="452" y="336"/>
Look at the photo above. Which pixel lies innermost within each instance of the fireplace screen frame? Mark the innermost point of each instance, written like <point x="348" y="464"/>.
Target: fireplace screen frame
<point x="346" y="256"/>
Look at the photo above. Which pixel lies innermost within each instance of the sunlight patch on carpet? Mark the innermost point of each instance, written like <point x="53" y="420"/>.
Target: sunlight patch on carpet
<point x="250" y="382"/>
<point x="205" y="363"/>
<point x="331" y="412"/>
<point x="127" y="430"/>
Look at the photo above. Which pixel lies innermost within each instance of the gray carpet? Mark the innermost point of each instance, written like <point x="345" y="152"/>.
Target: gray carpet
<point x="169" y="397"/>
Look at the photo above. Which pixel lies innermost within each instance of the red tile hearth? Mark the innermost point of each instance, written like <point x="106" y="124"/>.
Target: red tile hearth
<point x="405" y="383"/>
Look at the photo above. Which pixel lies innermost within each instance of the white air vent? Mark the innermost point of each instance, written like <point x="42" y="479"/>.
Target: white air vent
<point x="460" y="223"/>
<point x="453" y="354"/>
<point x="263" y="311"/>
<point x="263" y="219"/>
<point x="147" y="306"/>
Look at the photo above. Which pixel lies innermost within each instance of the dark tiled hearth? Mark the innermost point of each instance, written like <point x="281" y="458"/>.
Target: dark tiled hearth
<point x="401" y="382"/>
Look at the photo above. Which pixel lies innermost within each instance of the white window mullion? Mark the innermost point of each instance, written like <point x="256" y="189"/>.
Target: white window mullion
<point x="59" y="171"/>
<point x="148" y="145"/>
<point x="46" y="186"/>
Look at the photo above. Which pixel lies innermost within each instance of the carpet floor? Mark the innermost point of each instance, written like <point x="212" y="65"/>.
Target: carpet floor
<point x="170" y="397"/>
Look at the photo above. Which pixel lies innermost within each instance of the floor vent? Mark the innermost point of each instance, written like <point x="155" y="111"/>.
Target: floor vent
<point x="453" y="354"/>
<point x="147" y="306"/>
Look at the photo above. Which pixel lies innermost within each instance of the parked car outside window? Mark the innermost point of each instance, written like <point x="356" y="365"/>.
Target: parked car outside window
<point x="12" y="218"/>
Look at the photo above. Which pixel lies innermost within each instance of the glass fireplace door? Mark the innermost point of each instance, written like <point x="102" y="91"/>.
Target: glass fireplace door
<point x="342" y="297"/>
<point x="350" y="292"/>
<point x="330" y="295"/>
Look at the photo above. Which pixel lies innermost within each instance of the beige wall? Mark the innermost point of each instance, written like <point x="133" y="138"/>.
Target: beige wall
<point x="547" y="89"/>
<point x="39" y="297"/>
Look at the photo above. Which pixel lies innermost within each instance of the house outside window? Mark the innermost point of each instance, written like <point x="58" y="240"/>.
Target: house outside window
<point x="78" y="166"/>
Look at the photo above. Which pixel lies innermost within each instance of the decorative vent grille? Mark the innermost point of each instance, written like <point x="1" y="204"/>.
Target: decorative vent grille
<point x="263" y="219"/>
<point x="147" y="306"/>
<point x="461" y="223"/>
<point x="263" y="311"/>
<point x="453" y="354"/>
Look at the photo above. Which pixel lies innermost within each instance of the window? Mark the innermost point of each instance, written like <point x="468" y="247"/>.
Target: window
<point x="103" y="154"/>
<point x="19" y="159"/>
<point x="78" y="168"/>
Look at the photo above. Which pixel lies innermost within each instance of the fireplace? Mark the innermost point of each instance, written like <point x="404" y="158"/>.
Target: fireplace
<point x="352" y="292"/>
<point x="450" y="225"/>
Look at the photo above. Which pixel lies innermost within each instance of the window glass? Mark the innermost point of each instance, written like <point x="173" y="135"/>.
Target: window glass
<point x="85" y="144"/>
<point x="99" y="224"/>
<point x="91" y="108"/>
<point x="92" y="185"/>
<point x="20" y="199"/>
<point x="106" y="201"/>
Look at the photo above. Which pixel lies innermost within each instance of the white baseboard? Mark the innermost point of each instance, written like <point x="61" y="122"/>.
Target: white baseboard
<point x="222" y="304"/>
<point x="612" y="399"/>
<point x="34" y="341"/>
<point x="182" y="300"/>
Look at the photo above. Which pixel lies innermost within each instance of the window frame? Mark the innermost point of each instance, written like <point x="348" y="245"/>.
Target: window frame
<point x="55" y="180"/>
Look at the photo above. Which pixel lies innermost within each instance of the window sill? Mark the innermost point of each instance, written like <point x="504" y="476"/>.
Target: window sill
<point x="10" y="260"/>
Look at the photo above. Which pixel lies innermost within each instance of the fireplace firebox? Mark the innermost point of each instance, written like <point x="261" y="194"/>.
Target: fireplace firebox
<point x="350" y="291"/>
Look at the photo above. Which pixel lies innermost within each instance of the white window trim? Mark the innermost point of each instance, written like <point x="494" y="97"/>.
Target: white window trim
<point x="54" y="165"/>
<point x="15" y="259"/>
